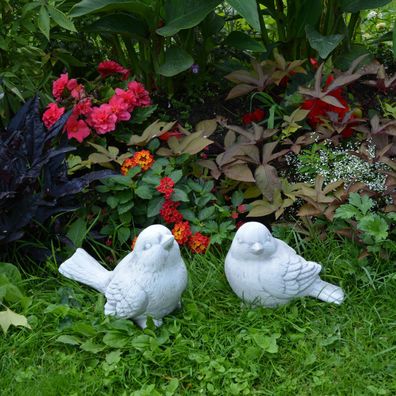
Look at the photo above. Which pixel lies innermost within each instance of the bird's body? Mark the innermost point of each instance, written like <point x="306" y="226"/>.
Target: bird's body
<point x="148" y="282"/>
<point x="266" y="271"/>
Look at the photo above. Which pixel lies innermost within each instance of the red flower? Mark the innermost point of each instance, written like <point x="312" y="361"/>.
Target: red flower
<point x="242" y="208"/>
<point x="182" y="232"/>
<point x="165" y="136"/>
<point x="84" y="107"/>
<point x="52" y="114"/>
<point x="255" y="116"/>
<point x="234" y="215"/>
<point x="319" y="109"/>
<point x="120" y="108"/>
<point x="109" y="67"/>
<point x="59" y="85"/>
<point x="198" y="243"/>
<point x="129" y="98"/>
<point x="314" y="62"/>
<point x="77" y="129"/>
<point x="102" y="119"/>
<point x="247" y="118"/>
<point x="166" y="187"/>
<point x="141" y="95"/>
<point x="169" y="212"/>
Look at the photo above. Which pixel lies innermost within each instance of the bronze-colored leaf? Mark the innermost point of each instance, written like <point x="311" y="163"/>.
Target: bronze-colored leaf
<point x="164" y="152"/>
<point x="240" y="90"/>
<point x="215" y="171"/>
<point x="157" y="128"/>
<point x="308" y="210"/>
<point x="207" y="127"/>
<point x="331" y="100"/>
<point x="267" y="180"/>
<point x="261" y="208"/>
<point x="239" y="172"/>
<point x="243" y="76"/>
<point x="229" y="138"/>
<point x="98" y="158"/>
<point x="252" y="192"/>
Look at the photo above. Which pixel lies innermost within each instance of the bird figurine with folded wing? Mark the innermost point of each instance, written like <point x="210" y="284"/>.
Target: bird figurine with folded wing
<point x="149" y="281"/>
<point x="264" y="270"/>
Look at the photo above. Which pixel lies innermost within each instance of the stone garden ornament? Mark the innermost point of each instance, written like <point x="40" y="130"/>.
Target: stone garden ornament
<point x="149" y="281"/>
<point x="264" y="270"/>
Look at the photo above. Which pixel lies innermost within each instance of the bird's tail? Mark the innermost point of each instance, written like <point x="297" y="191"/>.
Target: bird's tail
<point x="327" y="292"/>
<point x="84" y="268"/>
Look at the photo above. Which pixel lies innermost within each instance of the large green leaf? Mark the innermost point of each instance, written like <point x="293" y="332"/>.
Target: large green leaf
<point x="61" y="19"/>
<point x="323" y="44"/>
<point x="44" y="21"/>
<point x="242" y="41"/>
<point x="121" y="23"/>
<point x="358" y="5"/>
<point x="298" y="17"/>
<point x="176" y="61"/>
<point x="211" y="25"/>
<point x="85" y="7"/>
<point x="248" y="9"/>
<point x="185" y="14"/>
<point x="77" y="232"/>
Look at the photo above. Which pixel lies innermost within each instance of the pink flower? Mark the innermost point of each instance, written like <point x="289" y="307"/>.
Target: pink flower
<point x="77" y="129"/>
<point x="102" y="119"/>
<point x="84" y="107"/>
<point x="120" y="108"/>
<point x="128" y="97"/>
<point x="52" y="114"/>
<point x="59" y="85"/>
<point x="78" y="92"/>
<point x="141" y="95"/>
<point x="109" y="67"/>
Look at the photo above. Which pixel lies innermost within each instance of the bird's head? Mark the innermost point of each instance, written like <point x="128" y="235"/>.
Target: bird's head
<point x="154" y="245"/>
<point x="252" y="241"/>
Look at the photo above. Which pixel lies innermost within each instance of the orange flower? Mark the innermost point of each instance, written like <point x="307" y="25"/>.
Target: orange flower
<point x="181" y="231"/>
<point x="133" y="243"/>
<point x="127" y="164"/>
<point x="198" y="243"/>
<point x="142" y="158"/>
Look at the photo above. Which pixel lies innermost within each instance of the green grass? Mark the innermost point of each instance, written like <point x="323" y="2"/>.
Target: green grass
<point x="215" y="344"/>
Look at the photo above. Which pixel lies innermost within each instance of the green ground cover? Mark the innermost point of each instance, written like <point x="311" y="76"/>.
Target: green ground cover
<point x="214" y="345"/>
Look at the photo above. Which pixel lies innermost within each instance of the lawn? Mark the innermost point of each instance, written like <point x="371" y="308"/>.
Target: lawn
<point x="215" y="344"/>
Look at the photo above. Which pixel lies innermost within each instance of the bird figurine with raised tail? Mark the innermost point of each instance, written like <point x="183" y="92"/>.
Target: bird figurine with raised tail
<point x="264" y="270"/>
<point x="149" y="281"/>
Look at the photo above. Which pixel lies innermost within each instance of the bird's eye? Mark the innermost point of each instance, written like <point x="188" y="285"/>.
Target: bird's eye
<point x="147" y="246"/>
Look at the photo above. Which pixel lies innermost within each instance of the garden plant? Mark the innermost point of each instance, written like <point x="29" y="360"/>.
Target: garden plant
<point x="198" y="115"/>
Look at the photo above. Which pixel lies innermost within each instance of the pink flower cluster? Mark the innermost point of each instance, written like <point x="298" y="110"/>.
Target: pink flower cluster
<point x="101" y="118"/>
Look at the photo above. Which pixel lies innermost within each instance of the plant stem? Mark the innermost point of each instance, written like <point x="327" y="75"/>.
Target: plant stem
<point x="263" y="28"/>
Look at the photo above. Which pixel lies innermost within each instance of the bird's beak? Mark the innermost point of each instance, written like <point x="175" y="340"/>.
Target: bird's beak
<point x="167" y="242"/>
<point x="257" y="248"/>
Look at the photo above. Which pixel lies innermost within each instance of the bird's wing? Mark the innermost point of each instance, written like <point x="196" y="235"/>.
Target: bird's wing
<point x="298" y="274"/>
<point x="125" y="299"/>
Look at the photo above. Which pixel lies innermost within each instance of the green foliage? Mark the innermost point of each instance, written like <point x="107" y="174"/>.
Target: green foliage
<point x="32" y="45"/>
<point x="373" y="228"/>
<point x="134" y="202"/>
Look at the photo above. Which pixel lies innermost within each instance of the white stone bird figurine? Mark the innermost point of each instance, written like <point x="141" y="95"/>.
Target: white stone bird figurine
<point x="264" y="270"/>
<point x="149" y="281"/>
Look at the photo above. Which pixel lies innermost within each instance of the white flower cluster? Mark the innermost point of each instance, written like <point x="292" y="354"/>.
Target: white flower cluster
<point x="339" y="163"/>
